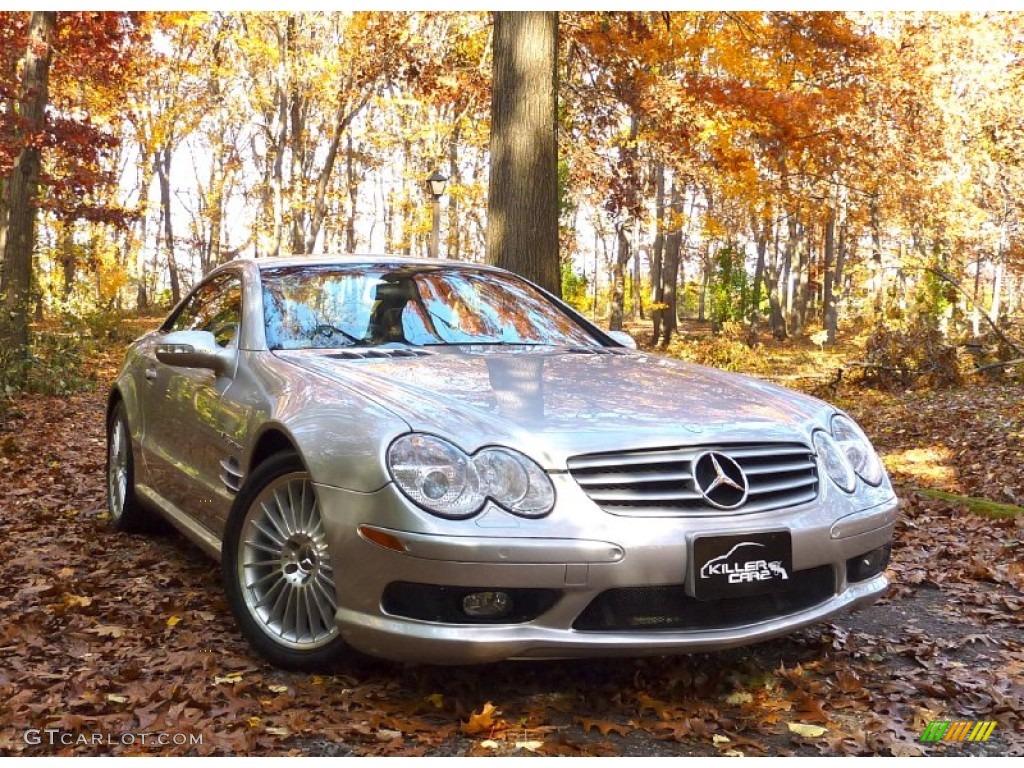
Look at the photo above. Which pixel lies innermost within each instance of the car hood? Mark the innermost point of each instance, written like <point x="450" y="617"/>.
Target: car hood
<point x="557" y="403"/>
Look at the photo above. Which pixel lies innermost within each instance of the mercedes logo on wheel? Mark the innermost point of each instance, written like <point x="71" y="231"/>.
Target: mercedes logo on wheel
<point x="720" y="480"/>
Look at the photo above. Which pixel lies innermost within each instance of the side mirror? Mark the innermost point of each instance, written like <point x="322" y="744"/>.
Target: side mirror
<point x="195" y="349"/>
<point x="623" y="338"/>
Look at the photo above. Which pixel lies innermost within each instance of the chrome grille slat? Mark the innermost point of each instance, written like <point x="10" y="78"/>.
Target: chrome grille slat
<point x="660" y="482"/>
<point x="764" y="451"/>
<point x="604" y="461"/>
<point x="781" y="485"/>
<point x="629" y="496"/>
<point x="774" y="469"/>
<point x="612" y="478"/>
<point x="763" y="505"/>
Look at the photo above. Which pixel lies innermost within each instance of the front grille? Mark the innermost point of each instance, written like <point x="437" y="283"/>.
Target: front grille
<point x="660" y="482"/>
<point x="636" y="609"/>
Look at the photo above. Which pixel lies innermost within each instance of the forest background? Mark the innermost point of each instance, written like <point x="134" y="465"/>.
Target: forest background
<point x="831" y="200"/>
<point x="759" y="171"/>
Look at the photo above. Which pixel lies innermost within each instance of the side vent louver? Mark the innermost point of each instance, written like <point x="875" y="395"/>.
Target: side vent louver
<point x="231" y="474"/>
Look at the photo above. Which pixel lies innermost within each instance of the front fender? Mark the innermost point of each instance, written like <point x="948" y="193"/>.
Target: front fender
<point x="340" y="435"/>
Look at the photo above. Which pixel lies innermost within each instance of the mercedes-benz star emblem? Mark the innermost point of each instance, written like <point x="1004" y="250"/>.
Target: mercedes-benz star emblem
<point x="720" y="480"/>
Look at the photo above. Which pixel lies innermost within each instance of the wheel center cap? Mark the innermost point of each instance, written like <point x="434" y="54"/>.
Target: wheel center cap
<point x="299" y="559"/>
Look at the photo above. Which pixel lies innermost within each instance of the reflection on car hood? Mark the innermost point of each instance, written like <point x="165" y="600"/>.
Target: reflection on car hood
<point x="557" y="403"/>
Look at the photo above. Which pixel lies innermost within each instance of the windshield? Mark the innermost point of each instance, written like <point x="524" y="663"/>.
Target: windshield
<point x="325" y="307"/>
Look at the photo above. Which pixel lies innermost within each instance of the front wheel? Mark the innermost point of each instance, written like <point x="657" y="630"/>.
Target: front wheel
<point x="278" y="573"/>
<point x="126" y="513"/>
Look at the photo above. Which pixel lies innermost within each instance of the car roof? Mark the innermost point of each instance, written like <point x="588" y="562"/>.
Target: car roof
<point x="353" y="259"/>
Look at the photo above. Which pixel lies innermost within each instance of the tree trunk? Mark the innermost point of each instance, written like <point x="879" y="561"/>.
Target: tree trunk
<point x="997" y="288"/>
<point x="670" y="266"/>
<point x="454" y="229"/>
<point x="657" y="252"/>
<point x="705" y="280"/>
<point x="141" y="279"/>
<point x="627" y="220"/>
<point x="343" y="118"/>
<point x="23" y="183"/>
<point x="802" y="282"/>
<point x="522" y="195"/>
<point x="762" y="234"/>
<point x="277" y="171"/>
<point x="878" y="278"/>
<point x="776" y="318"/>
<point x="3" y="226"/>
<point x="829" y="318"/>
<point x="163" y="170"/>
<point x="66" y="251"/>
<point x="619" y="278"/>
<point x="215" y="211"/>
<point x="638" y="299"/>
<point x="353" y="195"/>
<point x="788" y="272"/>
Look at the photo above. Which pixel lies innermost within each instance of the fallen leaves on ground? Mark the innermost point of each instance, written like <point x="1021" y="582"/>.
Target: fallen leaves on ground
<point x="116" y="634"/>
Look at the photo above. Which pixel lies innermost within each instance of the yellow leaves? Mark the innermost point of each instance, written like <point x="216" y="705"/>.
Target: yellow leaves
<point x="436" y="700"/>
<point x="711" y="127"/>
<point x="714" y="228"/>
<point x="482" y="721"/>
<point x="528" y="745"/>
<point x="174" y="621"/>
<point x="117" y="698"/>
<point x="76" y="601"/>
<point x="807" y="731"/>
<point x="229" y="679"/>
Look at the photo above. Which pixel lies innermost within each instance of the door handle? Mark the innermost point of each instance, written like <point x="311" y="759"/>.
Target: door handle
<point x="151" y="373"/>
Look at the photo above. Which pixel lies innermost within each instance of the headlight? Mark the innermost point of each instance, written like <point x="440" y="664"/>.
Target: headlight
<point x="857" y="448"/>
<point x="436" y="475"/>
<point x="515" y="482"/>
<point x="836" y="464"/>
<point x="446" y="481"/>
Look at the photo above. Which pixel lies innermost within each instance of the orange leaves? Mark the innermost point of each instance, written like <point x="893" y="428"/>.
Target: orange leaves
<point x="483" y="721"/>
<point x="604" y="727"/>
<point x="86" y="646"/>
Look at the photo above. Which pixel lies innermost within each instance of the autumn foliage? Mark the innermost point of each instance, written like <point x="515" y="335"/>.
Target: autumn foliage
<point x="114" y="634"/>
<point x="823" y="198"/>
<point x="841" y="156"/>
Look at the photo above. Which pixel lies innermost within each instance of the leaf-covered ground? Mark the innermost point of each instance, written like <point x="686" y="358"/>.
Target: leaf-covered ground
<point x="115" y="634"/>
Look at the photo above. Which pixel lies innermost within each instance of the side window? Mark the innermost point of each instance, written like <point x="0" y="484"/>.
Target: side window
<point x="216" y="307"/>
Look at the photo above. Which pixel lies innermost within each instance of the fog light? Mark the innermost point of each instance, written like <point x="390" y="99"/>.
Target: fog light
<point x="869" y="564"/>
<point x="487" y="605"/>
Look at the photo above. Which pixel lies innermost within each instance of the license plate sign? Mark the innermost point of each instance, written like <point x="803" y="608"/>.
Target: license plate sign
<point x="738" y="566"/>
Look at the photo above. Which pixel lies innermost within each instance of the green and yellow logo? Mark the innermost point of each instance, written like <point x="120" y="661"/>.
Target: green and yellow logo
<point x="958" y="730"/>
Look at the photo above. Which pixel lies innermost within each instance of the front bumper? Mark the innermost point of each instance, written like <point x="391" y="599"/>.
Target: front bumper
<point x="578" y="560"/>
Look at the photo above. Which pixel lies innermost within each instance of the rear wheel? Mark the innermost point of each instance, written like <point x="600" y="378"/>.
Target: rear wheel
<point x="278" y="573"/>
<point x="126" y="513"/>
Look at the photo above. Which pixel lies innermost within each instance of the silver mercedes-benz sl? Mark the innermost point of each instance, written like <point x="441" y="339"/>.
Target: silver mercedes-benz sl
<point x="440" y="462"/>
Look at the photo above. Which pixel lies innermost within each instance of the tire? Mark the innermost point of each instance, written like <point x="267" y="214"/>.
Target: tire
<point x="125" y="510"/>
<point x="277" y="569"/>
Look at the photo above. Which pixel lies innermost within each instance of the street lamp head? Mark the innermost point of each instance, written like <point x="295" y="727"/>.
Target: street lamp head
<point x="436" y="183"/>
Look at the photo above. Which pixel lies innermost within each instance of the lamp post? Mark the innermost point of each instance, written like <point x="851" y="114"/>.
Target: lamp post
<point x="436" y="184"/>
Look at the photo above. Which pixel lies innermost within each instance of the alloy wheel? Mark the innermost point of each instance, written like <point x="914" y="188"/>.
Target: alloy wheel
<point x="283" y="568"/>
